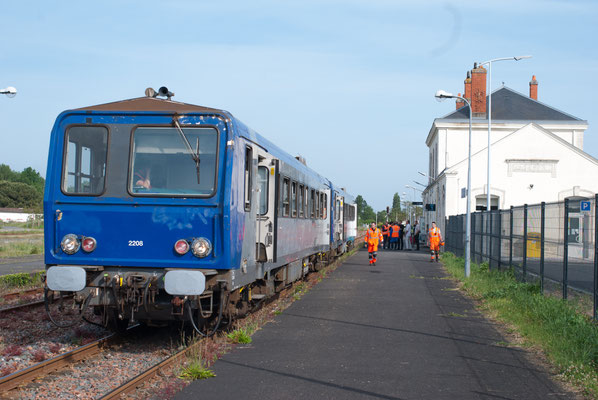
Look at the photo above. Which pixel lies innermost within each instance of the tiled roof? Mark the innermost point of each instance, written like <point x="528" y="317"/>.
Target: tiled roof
<point x="509" y="105"/>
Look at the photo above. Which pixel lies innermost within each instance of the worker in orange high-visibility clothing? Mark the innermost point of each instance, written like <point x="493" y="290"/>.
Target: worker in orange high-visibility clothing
<point x="394" y="236"/>
<point x="434" y="239"/>
<point x="386" y="234"/>
<point x="372" y="238"/>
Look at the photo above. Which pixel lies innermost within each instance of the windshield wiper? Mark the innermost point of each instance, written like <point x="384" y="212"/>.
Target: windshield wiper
<point x="193" y="153"/>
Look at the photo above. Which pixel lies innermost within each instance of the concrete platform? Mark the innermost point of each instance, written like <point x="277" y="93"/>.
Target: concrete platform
<point x="393" y="331"/>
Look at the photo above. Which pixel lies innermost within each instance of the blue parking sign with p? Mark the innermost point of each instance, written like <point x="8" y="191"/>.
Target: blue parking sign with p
<point x="584" y="206"/>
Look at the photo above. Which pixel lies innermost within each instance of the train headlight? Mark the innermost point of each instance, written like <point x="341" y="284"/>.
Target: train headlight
<point x="181" y="246"/>
<point x="89" y="244"/>
<point x="201" y="247"/>
<point x="70" y="244"/>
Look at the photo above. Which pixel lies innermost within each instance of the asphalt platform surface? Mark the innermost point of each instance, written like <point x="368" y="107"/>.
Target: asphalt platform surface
<point x="393" y="331"/>
<point x="22" y="264"/>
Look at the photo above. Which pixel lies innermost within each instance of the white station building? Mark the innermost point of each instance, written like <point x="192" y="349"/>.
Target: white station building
<point x="536" y="153"/>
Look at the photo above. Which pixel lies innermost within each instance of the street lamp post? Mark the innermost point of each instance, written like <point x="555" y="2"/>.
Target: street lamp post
<point x="427" y="213"/>
<point x="413" y="208"/>
<point x="440" y="96"/>
<point x="489" y="63"/>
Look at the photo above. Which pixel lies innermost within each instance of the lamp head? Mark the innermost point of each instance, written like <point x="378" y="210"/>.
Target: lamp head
<point x="9" y="91"/>
<point x="441" y="95"/>
<point x="521" y="57"/>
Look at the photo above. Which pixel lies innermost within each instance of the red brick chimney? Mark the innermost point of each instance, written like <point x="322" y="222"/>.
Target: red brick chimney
<point x="467" y="82"/>
<point x="478" y="91"/>
<point x="459" y="103"/>
<point x="533" y="88"/>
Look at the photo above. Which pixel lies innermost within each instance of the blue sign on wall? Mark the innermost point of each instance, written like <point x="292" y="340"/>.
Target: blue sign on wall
<point x="584" y="206"/>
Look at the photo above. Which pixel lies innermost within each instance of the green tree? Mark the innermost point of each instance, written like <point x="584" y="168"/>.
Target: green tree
<point x="7" y="174"/>
<point x="396" y="204"/>
<point x="365" y="213"/>
<point x="20" y="195"/>
<point x="382" y="216"/>
<point x="32" y="178"/>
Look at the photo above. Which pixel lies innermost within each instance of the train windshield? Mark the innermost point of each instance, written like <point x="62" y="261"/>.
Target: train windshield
<point x="161" y="164"/>
<point x="85" y="162"/>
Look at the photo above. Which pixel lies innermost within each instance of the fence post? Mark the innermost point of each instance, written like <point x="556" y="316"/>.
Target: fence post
<point x="472" y="238"/>
<point x="511" y="237"/>
<point x="499" y="230"/>
<point x="524" y="265"/>
<point x="542" y="227"/>
<point x="566" y="249"/>
<point x="483" y="252"/>
<point x="595" y="254"/>
<point x="489" y="241"/>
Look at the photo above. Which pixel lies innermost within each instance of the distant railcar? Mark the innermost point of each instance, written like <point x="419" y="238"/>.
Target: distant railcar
<point x="157" y="210"/>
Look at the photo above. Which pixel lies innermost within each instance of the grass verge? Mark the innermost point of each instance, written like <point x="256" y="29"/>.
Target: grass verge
<point x="37" y="232"/>
<point x="567" y="336"/>
<point x="196" y="370"/>
<point x="241" y="335"/>
<point x="18" y="249"/>
<point x="21" y="280"/>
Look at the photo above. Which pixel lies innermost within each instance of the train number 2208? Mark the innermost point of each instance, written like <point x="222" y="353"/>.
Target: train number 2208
<point x="136" y="243"/>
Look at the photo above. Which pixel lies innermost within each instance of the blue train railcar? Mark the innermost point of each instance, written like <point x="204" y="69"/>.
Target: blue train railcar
<point x="344" y="220"/>
<point x="157" y="210"/>
<point x="350" y="218"/>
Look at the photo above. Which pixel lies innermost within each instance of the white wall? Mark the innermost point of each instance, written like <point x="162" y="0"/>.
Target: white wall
<point x="15" y="217"/>
<point x="554" y="170"/>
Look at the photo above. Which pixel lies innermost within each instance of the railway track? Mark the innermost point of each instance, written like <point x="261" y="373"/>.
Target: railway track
<point x="88" y="351"/>
<point x="28" y="292"/>
<point x="27" y="375"/>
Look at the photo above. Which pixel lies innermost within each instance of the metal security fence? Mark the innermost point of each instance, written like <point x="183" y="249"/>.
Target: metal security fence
<point x="554" y="243"/>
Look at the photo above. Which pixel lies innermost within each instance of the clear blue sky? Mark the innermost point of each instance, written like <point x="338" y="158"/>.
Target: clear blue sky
<point x="347" y="84"/>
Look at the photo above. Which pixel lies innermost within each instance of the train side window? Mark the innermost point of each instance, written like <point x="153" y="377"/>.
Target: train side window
<point x="338" y="209"/>
<point x="294" y="199"/>
<point x="248" y="183"/>
<point x="262" y="183"/>
<point x="325" y="204"/>
<point x="317" y="201"/>
<point x="312" y="204"/>
<point x="301" y="201"/>
<point x="84" y="170"/>
<point x="306" y="203"/>
<point x="285" y="197"/>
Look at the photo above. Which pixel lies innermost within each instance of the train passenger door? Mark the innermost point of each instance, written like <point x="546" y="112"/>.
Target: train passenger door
<point x="266" y="207"/>
<point x="339" y="218"/>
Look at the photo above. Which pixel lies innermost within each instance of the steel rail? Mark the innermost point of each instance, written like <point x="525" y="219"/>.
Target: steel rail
<point x="28" y="305"/>
<point x="28" y="374"/>
<point x="22" y="306"/>
<point x="149" y="373"/>
<point x="16" y="295"/>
